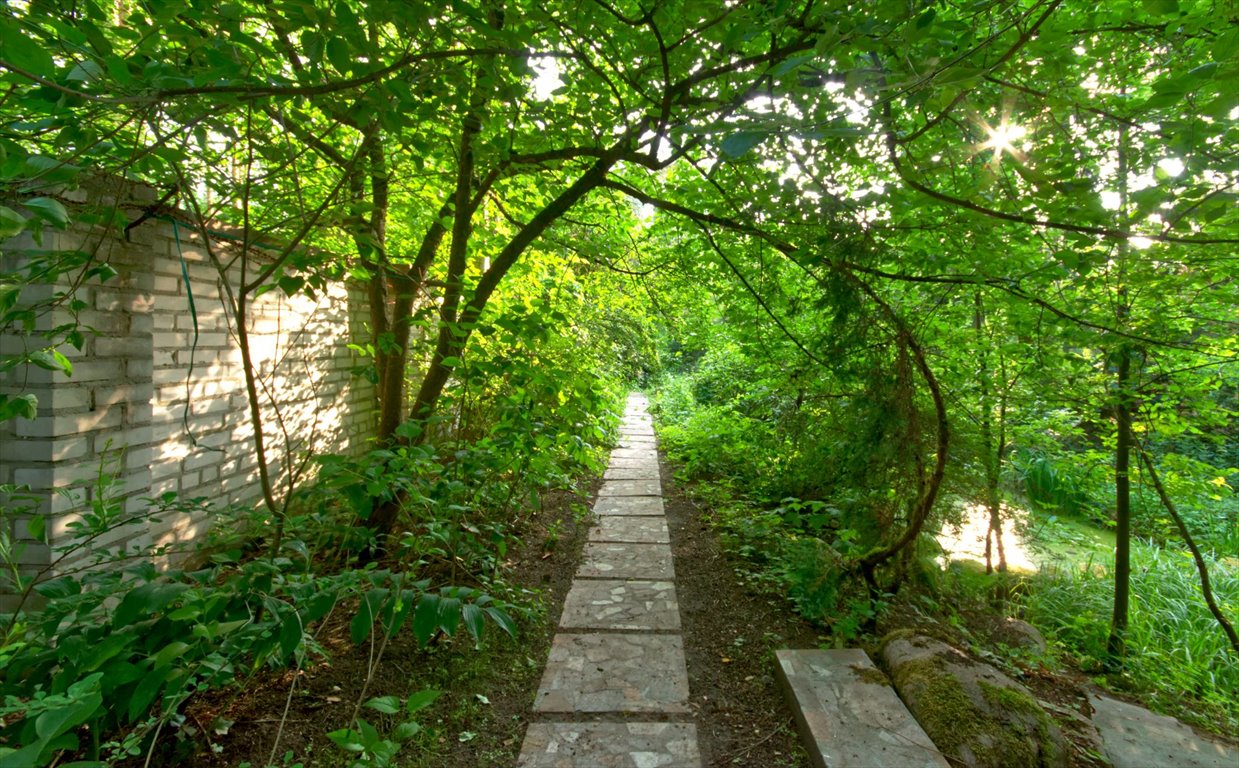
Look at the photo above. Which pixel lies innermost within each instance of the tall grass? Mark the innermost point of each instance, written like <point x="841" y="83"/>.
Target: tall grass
<point x="1177" y="656"/>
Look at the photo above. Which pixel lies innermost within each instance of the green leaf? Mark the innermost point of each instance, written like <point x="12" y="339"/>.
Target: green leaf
<point x="388" y="705"/>
<point x="51" y="360"/>
<point x="403" y="609"/>
<point x="959" y="75"/>
<point x="145" y="693"/>
<point x="148" y="599"/>
<point x="64" y="586"/>
<point x="841" y="129"/>
<point x="223" y="628"/>
<point x="19" y="49"/>
<point x="1162" y="7"/>
<point x="340" y="55"/>
<point x="118" y="68"/>
<point x="86" y="699"/>
<point x="347" y="739"/>
<point x="318" y="606"/>
<point x="50" y="170"/>
<point x="738" y="144"/>
<point x="790" y="64"/>
<point x="36" y="527"/>
<point x="25" y="406"/>
<point x="502" y="619"/>
<point x="345" y="17"/>
<point x="291" y="634"/>
<point x="405" y="731"/>
<point x="1204" y="71"/>
<point x="369" y="734"/>
<point x="367" y="615"/>
<point x="449" y="615"/>
<point x="62" y="362"/>
<point x="1162" y="100"/>
<point x="473" y="618"/>
<point x="426" y="618"/>
<point x="420" y="700"/>
<point x="290" y="284"/>
<point x="170" y="653"/>
<point x="11" y="222"/>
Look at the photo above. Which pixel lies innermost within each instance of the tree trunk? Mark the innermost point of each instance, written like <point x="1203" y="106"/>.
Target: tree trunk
<point x="454" y="334"/>
<point x="868" y="563"/>
<point x="1115" y="645"/>
<point x="1116" y="642"/>
<point x="991" y="453"/>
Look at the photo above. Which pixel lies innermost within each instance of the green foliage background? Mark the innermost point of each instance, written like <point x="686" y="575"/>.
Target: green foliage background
<point x="814" y="227"/>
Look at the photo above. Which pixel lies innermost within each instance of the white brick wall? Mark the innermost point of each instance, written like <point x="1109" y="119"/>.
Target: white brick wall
<point x="129" y="384"/>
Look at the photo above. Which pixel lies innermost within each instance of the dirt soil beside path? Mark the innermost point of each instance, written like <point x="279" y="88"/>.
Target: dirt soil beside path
<point x="730" y="635"/>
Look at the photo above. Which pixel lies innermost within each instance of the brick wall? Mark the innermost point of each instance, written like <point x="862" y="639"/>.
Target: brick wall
<point x="133" y="401"/>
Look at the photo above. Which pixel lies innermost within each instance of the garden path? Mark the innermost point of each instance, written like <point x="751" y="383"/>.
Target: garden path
<point x="615" y="690"/>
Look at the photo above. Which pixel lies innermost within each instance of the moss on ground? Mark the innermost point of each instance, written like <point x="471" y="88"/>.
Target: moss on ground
<point x="870" y="675"/>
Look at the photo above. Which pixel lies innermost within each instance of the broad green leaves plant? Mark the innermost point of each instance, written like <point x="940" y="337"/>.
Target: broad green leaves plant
<point x="368" y="745"/>
<point x="120" y="650"/>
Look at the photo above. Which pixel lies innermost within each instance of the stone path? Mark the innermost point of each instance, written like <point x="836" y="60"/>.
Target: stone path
<point x="1134" y="737"/>
<point x="615" y="690"/>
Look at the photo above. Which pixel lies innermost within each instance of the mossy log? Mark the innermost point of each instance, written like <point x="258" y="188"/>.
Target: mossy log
<point x="976" y="715"/>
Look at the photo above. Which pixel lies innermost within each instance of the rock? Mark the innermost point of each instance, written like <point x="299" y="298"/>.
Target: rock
<point x="1080" y="731"/>
<point x="1016" y="633"/>
<point x="976" y="715"/>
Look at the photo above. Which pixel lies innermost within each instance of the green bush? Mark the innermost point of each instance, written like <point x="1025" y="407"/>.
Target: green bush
<point x="116" y="648"/>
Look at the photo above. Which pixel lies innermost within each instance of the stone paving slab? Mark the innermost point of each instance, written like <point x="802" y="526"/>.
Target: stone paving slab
<point x="648" y="462"/>
<point x="648" y="453"/>
<point x="614" y="673"/>
<point x="650" y="443"/>
<point x="608" y="560"/>
<point x="629" y="505"/>
<point x="644" y="436"/>
<point x="639" y="472"/>
<point x="1134" y="737"/>
<point x="645" y="425"/>
<point x="609" y="604"/>
<point x="849" y="715"/>
<point x="652" y="487"/>
<point x="610" y="745"/>
<point x="647" y="529"/>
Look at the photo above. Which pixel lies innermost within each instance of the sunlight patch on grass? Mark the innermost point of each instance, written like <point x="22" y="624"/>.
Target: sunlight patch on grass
<point x="1033" y="541"/>
<point x="967" y="540"/>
